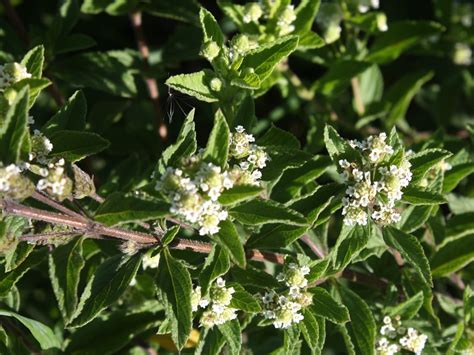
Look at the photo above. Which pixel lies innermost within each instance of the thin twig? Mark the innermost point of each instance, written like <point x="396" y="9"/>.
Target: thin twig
<point x="56" y="205"/>
<point x="136" y="20"/>
<point x="314" y="248"/>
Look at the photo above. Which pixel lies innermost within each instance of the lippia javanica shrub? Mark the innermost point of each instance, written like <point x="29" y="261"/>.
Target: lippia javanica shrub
<point x="265" y="177"/>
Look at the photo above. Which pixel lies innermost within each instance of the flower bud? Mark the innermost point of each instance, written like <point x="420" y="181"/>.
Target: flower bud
<point x="382" y="22"/>
<point x="210" y="50"/>
<point x="216" y="84"/>
<point x="252" y="12"/>
<point x="83" y="184"/>
<point x="11" y="73"/>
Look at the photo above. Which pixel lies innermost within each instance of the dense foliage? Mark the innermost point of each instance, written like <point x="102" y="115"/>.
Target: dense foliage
<point x="240" y="177"/>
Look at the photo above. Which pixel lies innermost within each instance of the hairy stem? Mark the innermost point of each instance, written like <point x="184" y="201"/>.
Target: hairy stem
<point x="136" y="20"/>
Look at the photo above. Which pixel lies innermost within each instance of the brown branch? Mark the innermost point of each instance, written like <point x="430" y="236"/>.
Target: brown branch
<point x="136" y="20"/>
<point x="39" y="196"/>
<point x="314" y="248"/>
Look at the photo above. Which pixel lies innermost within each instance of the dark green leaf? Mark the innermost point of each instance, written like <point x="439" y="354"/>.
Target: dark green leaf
<point x="409" y="308"/>
<point x="195" y="84"/>
<point x="71" y="116"/>
<point x="325" y="305"/>
<point x="239" y="193"/>
<point x="417" y="196"/>
<point x="217" y="263"/>
<point x="228" y="238"/>
<point x="232" y="335"/>
<point x="453" y="255"/>
<point x="217" y="147"/>
<point x="76" y="145"/>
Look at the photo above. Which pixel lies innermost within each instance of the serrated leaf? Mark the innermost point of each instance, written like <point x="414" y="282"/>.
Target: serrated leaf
<point x="217" y="148"/>
<point x="278" y="137"/>
<point x="349" y="244"/>
<point x="460" y="225"/>
<point x="119" y="208"/>
<point x="65" y="265"/>
<point x="169" y="235"/>
<point x="310" y="328"/>
<point x="71" y="116"/>
<point x="362" y="324"/>
<point x="195" y="84"/>
<point x="243" y="300"/>
<point x="264" y="59"/>
<point x="185" y="145"/>
<point x="454" y="176"/>
<point x="410" y="249"/>
<point x="239" y="193"/>
<point x="399" y="37"/>
<point x="217" y="263"/>
<point x="414" y="217"/>
<point x="335" y="145"/>
<point x="232" y="334"/>
<point x="417" y="196"/>
<point x="423" y="161"/>
<point x="105" y="286"/>
<point x="324" y="305"/>
<point x="228" y="238"/>
<point x="276" y="236"/>
<point x="453" y="255"/>
<point x="14" y="128"/>
<point x="258" y="211"/>
<point x="42" y="333"/>
<point x="76" y="145"/>
<point x="174" y="289"/>
<point x="252" y="276"/>
<point x="33" y="61"/>
<point x="409" y="308"/>
<point x="210" y="27"/>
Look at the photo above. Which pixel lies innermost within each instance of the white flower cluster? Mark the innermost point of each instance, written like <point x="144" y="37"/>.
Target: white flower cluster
<point x="11" y="73"/>
<point x="395" y="338"/>
<point x="249" y="158"/>
<point x="284" y="309"/>
<point x="254" y="11"/>
<point x="218" y="310"/>
<point x="194" y="189"/>
<point x="375" y="187"/>
<point x="329" y="19"/>
<point x="41" y="146"/>
<point x="6" y="174"/>
<point x="54" y="178"/>
<point x="285" y="21"/>
<point x="150" y="262"/>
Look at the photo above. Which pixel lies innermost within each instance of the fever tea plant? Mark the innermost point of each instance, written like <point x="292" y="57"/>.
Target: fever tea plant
<point x="313" y="195"/>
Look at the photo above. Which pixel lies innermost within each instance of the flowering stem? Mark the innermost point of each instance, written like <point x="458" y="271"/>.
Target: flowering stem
<point x="136" y="20"/>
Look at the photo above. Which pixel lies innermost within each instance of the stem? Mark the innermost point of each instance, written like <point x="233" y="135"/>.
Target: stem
<point x="359" y="103"/>
<point x="136" y="20"/>
<point x="38" y="196"/>
<point x="314" y="248"/>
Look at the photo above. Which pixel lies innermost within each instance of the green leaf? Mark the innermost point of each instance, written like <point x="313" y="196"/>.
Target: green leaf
<point x="42" y="333"/>
<point x="76" y="145"/>
<point x="399" y="37"/>
<point x="276" y="236"/>
<point x="14" y="252"/>
<point x="400" y="94"/>
<point x="169" y="235"/>
<point x="35" y="86"/>
<point x="425" y="160"/>
<point x="109" y="281"/>
<point x="239" y="193"/>
<point x="371" y="85"/>
<point x="217" y="148"/>
<point x="119" y="208"/>
<point x="418" y="196"/>
<point x="174" y="290"/>
<point x="106" y="336"/>
<point x="282" y="159"/>
<point x="362" y="324"/>
<point x="409" y="308"/>
<point x="105" y="71"/>
<point x="335" y="145"/>
<point x="454" y="176"/>
<point x="180" y="10"/>
<point x="278" y="137"/>
<point x="324" y="305"/>
<point x="14" y="129"/>
<point x="257" y="212"/>
<point x="217" y="263"/>
<point x="310" y="328"/>
<point x="294" y="180"/>
<point x="211" y="342"/>
<point x="338" y="77"/>
<point x="453" y="255"/>
<point x="185" y="145"/>
<point x="210" y="27"/>
<point x="243" y="300"/>
<point x="71" y="116"/>
<point x="305" y="14"/>
<point x="228" y="238"/>
<point x="410" y="249"/>
<point x="195" y="84"/>
<point x="254" y="277"/>
<point x="264" y="59"/>
<point x="318" y="269"/>
<point x="232" y="335"/>
<point x="351" y="241"/>
<point x="460" y="225"/>
<point x="75" y="42"/>
<point x="414" y="217"/>
<point x="33" y="61"/>
<point x="65" y="265"/>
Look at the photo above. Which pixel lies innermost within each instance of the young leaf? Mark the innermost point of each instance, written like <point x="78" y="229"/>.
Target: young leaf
<point x="33" y="61"/>
<point x="257" y="212"/>
<point x="239" y="193"/>
<point x="71" y="116"/>
<point x="453" y="255"/>
<point x="243" y="300"/>
<point x="228" y="238"/>
<point x="14" y="129"/>
<point x="264" y="59"/>
<point x="76" y="145"/>
<point x="210" y="28"/>
<point x="349" y="244"/>
<point x="278" y="137"/>
<point x="174" y="289"/>
<point x="362" y="324"/>
<point x="195" y="84"/>
<point x="417" y="196"/>
<point x="409" y="308"/>
<point x="42" y="333"/>
<point x="217" y="147"/>
<point x="217" y="263"/>
<point x="185" y="145"/>
<point x="310" y="328"/>
<point x="65" y="265"/>
<point x="324" y="305"/>
<point x="105" y="286"/>
<point x="410" y="249"/>
<point x="305" y="14"/>
<point x="119" y="208"/>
